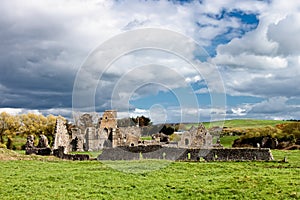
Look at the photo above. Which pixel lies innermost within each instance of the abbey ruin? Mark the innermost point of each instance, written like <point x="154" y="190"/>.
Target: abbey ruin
<point x="125" y="143"/>
<point x="87" y="137"/>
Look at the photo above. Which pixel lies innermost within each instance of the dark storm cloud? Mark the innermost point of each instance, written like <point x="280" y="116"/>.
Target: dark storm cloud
<point x="36" y="62"/>
<point x="37" y="76"/>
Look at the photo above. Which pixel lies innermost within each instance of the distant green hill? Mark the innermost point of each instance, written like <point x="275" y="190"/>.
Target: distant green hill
<point x="240" y="123"/>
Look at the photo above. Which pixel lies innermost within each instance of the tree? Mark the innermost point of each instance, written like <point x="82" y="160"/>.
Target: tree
<point x="49" y="128"/>
<point x="24" y="125"/>
<point x="32" y="123"/>
<point x="142" y="121"/>
<point x="168" y="130"/>
<point x="36" y="124"/>
<point x="9" y="125"/>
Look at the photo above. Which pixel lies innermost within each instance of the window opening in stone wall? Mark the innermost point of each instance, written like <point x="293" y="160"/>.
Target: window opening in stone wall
<point x="186" y="141"/>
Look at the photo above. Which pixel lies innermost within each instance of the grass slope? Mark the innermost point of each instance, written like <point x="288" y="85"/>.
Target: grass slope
<point x="240" y="123"/>
<point x="252" y="123"/>
<point x="8" y="155"/>
<point x="227" y="141"/>
<point x="33" y="179"/>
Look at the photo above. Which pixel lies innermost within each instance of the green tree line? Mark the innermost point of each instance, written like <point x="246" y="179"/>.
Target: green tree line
<point x="20" y="126"/>
<point x="286" y="134"/>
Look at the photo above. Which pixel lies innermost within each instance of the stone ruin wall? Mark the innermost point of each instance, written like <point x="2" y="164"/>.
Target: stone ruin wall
<point x="41" y="149"/>
<point x="109" y="135"/>
<point x="60" y="153"/>
<point x="132" y="135"/>
<point x="91" y="138"/>
<point x="186" y="154"/>
<point x="133" y="130"/>
<point x="231" y="154"/>
<point x="109" y="119"/>
<point x="94" y="139"/>
<point x="61" y="138"/>
<point x="196" y="138"/>
<point x="127" y="152"/>
<point x="77" y="140"/>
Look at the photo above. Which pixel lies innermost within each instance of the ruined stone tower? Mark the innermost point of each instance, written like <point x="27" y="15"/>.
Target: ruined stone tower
<point x="108" y="124"/>
<point x="109" y="120"/>
<point x="91" y="137"/>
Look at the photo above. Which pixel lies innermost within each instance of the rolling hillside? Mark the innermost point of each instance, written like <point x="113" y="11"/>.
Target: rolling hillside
<point x="239" y="123"/>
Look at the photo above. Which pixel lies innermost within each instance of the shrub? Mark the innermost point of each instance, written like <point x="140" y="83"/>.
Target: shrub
<point x="175" y="137"/>
<point x="2" y="146"/>
<point x="286" y="135"/>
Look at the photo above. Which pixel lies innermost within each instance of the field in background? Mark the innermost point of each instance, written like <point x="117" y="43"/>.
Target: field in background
<point x="239" y="123"/>
<point x="227" y="141"/>
<point x="50" y="178"/>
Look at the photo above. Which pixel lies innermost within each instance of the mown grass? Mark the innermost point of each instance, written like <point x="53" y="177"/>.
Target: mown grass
<point x="33" y="179"/>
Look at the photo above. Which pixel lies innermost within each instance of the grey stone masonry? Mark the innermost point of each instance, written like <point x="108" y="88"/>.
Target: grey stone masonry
<point x="186" y="154"/>
<point x="62" y="138"/>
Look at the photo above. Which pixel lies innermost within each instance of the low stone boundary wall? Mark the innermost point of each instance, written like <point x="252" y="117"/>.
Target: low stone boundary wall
<point x="38" y="151"/>
<point x="60" y="154"/>
<point x="184" y="154"/>
<point x="141" y="152"/>
<point x="230" y="154"/>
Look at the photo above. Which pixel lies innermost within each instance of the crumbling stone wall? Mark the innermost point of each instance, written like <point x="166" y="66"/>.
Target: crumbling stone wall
<point x="133" y="130"/>
<point x="42" y="148"/>
<point x="183" y="154"/>
<point x="78" y="140"/>
<point x="106" y="135"/>
<point x="229" y="154"/>
<point x="141" y="152"/>
<point x="43" y="142"/>
<point x="196" y="138"/>
<point x="92" y="139"/>
<point x="108" y="125"/>
<point x="109" y="120"/>
<point x="61" y="136"/>
<point x="103" y="137"/>
<point x="60" y="154"/>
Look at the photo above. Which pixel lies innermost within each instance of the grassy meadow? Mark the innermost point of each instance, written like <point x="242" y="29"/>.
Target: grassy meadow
<point x="36" y="177"/>
<point x="227" y="141"/>
<point x="239" y="123"/>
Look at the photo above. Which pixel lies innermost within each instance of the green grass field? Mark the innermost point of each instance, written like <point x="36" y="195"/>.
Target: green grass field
<point x="50" y="178"/>
<point x="252" y="123"/>
<point x="240" y="123"/>
<point x="227" y="141"/>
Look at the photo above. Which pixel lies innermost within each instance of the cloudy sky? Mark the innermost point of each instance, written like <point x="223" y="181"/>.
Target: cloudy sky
<point x="170" y="60"/>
